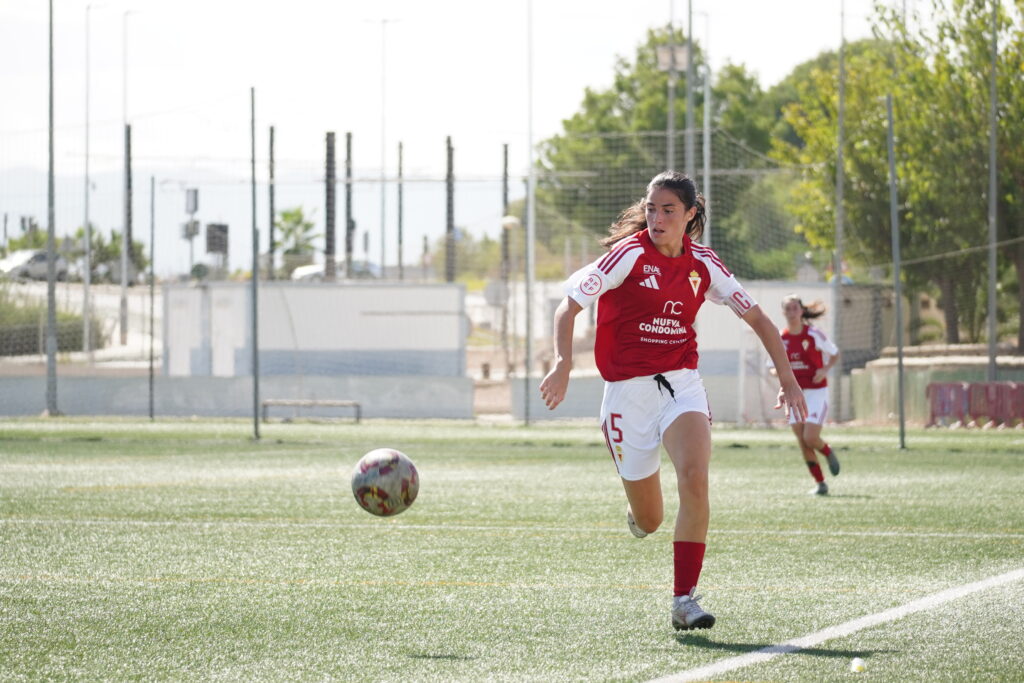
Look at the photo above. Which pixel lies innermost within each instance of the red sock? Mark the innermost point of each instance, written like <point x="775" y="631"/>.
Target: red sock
<point x="826" y="451"/>
<point x="688" y="560"/>
<point x="815" y="471"/>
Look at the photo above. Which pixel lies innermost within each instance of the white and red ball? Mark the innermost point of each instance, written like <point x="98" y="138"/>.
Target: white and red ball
<point x="385" y="482"/>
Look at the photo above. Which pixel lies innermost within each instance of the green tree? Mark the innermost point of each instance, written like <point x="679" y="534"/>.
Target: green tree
<point x="296" y="232"/>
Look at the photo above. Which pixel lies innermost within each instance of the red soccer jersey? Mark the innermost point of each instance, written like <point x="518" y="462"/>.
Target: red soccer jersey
<point x="649" y="302"/>
<point x="808" y="350"/>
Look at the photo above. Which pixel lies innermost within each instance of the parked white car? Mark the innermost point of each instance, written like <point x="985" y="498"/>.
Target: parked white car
<point x="314" y="272"/>
<point x="31" y="264"/>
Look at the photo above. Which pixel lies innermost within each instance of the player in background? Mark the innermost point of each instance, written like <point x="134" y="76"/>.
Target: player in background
<point x="651" y="283"/>
<point x="811" y="355"/>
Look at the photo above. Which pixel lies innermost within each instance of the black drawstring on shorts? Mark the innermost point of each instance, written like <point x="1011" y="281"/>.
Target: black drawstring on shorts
<point x="662" y="382"/>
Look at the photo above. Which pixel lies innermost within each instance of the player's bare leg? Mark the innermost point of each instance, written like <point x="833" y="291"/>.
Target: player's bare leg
<point x="646" y="507"/>
<point x="810" y="457"/>
<point x="688" y="442"/>
<point x="812" y="438"/>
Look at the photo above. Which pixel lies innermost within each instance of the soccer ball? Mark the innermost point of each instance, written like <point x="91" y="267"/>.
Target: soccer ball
<point x="385" y="482"/>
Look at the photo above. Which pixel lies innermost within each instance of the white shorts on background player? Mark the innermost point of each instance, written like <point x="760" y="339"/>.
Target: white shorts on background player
<point x="817" y="406"/>
<point x="636" y="412"/>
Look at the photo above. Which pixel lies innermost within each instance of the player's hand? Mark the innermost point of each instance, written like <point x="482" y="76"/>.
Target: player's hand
<point x="554" y="385"/>
<point x="820" y="374"/>
<point x="792" y="398"/>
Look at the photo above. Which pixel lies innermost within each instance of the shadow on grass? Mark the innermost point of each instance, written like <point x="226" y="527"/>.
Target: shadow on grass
<point x="451" y="658"/>
<point x="702" y="641"/>
<point x="850" y="496"/>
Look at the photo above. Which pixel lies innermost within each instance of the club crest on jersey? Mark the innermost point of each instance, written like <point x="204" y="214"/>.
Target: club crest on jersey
<point x="805" y="344"/>
<point x="694" y="281"/>
<point x="651" y="282"/>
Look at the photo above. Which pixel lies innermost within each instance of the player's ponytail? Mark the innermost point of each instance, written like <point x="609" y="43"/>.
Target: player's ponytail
<point x="813" y="310"/>
<point x="630" y="222"/>
<point x="634" y="219"/>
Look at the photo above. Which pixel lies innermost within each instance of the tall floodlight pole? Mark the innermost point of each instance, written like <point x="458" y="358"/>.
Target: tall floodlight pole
<point x="531" y="211"/>
<point x="707" y="126"/>
<point x="670" y="133"/>
<point x="837" y="272"/>
<point x="897" y="286"/>
<point x="255" y="270"/>
<point x="126" y="233"/>
<point x="689" y="89"/>
<point x="152" y="292"/>
<point x="87" y="276"/>
<point x="51" y="256"/>
<point x="993" y="122"/>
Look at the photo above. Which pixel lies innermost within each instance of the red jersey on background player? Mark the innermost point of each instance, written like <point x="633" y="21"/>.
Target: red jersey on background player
<point x="811" y="355"/>
<point x="651" y="284"/>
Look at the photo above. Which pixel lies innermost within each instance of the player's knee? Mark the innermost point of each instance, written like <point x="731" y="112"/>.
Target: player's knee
<point x="649" y="521"/>
<point x="693" y="480"/>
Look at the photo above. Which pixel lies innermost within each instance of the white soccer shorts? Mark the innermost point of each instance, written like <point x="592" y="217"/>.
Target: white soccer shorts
<point x="817" y="406"/>
<point x="636" y="412"/>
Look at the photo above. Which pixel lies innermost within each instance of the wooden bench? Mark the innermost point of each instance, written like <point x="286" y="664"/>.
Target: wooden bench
<point x="311" y="403"/>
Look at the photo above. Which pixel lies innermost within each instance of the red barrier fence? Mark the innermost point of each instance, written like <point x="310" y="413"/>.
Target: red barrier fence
<point x="986" y="404"/>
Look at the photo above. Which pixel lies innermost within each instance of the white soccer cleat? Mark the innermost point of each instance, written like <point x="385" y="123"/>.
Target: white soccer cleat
<point x="687" y="614"/>
<point x="820" y="490"/>
<point x="833" y="463"/>
<point x="631" y="523"/>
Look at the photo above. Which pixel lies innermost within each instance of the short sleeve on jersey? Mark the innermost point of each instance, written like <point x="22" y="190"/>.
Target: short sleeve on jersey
<point x="586" y="285"/>
<point x="724" y="289"/>
<point x="824" y="344"/>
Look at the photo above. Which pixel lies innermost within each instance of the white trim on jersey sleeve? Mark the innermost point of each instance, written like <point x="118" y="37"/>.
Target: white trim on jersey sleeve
<point x="586" y="285"/>
<point x="823" y="343"/>
<point x="724" y="289"/>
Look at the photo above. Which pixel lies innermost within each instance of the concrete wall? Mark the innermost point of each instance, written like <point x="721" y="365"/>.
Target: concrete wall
<point x="380" y="396"/>
<point x="315" y="329"/>
<point x="583" y="400"/>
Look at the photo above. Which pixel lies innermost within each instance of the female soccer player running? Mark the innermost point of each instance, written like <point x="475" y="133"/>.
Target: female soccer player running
<point x="811" y="355"/>
<point x="651" y="283"/>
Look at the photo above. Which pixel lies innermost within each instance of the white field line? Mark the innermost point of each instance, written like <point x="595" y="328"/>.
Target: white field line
<point x="771" y="652"/>
<point x="455" y="527"/>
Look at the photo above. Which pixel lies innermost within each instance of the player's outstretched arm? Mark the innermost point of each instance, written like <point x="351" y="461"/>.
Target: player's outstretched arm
<point x="790" y="394"/>
<point x="555" y="384"/>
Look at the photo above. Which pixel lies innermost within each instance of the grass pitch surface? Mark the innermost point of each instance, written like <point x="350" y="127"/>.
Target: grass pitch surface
<point x="184" y="550"/>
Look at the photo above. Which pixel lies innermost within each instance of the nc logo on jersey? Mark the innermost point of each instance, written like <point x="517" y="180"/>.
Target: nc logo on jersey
<point x="591" y="285"/>
<point x="651" y="282"/>
<point x="652" y="269"/>
<point x="694" y="281"/>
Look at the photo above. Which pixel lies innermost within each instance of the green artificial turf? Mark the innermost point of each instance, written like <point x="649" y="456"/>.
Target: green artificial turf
<point x="185" y="550"/>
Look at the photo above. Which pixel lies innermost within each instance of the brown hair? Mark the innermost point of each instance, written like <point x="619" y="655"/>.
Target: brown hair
<point x="815" y="309"/>
<point x="634" y="218"/>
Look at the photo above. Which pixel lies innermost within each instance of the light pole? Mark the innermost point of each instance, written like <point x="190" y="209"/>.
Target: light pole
<point x="707" y="126"/>
<point x="86" y="304"/>
<point x="531" y="212"/>
<point x="689" y="89"/>
<point x="671" y="152"/>
<point x="126" y="229"/>
<point x="837" y="272"/>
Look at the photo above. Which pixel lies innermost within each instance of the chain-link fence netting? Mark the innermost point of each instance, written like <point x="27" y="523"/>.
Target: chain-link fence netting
<point x="395" y="239"/>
